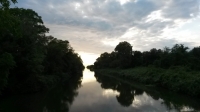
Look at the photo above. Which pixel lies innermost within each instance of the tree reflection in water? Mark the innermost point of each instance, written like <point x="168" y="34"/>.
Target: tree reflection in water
<point x="128" y="91"/>
<point x="58" y="99"/>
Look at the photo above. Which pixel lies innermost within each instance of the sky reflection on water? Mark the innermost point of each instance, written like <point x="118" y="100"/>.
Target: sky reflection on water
<point x="88" y="76"/>
<point x="98" y="93"/>
<point x="93" y="98"/>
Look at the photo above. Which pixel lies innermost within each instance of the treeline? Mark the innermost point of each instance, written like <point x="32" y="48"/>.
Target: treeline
<point x="124" y="57"/>
<point x="29" y="60"/>
<point x="176" y="68"/>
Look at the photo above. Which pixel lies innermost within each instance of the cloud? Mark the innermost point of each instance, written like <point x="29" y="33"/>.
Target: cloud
<point x="181" y="9"/>
<point x="97" y="25"/>
<point x="80" y="38"/>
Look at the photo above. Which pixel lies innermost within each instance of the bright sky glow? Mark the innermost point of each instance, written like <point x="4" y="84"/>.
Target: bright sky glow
<point x="88" y="58"/>
<point x="111" y="42"/>
<point x="77" y="5"/>
<point x="88" y="76"/>
<point x="130" y="33"/>
<point x="123" y="1"/>
<point x="156" y="15"/>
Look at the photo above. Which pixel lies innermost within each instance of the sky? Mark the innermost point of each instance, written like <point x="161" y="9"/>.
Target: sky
<point x="96" y="26"/>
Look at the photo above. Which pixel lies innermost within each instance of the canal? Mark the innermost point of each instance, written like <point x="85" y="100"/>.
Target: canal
<point x="97" y="93"/>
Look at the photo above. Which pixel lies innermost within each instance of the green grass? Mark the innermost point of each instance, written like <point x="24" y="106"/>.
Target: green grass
<point x="177" y="79"/>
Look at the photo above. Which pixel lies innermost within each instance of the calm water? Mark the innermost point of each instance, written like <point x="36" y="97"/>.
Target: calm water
<point x="96" y="93"/>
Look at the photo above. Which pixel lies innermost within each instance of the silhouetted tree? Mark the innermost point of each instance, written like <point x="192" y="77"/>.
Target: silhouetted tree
<point x="195" y="58"/>
<point x="30" y="60"/>
<point x="136" y="59"/>
<point x="179" y="55"/>
<point x="124" y="54"/>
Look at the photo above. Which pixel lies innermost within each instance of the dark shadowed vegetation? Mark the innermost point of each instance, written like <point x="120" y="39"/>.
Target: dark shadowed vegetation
<point x="175" y="68"/>
<point x="129" y="91"/>
<point x="30" y="60"/>
<point x="58" y="99"/>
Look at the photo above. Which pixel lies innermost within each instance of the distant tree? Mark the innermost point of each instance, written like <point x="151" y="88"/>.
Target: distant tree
<point x="166" y="58"/>
<point x="124" y="49"/>
<point x="124" y="54"/>
<point x="196" y="52"/>
<point x="179" y="54"/>
<point x="90" y="67"/>
<point x="136" y="59"/>
<point x="195" y="58"/>
<point x="149" y="57"/>
<point x="124" y="57"/>
<point x="145" y="58"/>
<point x="103" y="61"/>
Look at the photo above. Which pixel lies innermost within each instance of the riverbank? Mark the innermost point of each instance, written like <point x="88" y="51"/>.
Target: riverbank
<point x="177" y="79"/>
<point x="168" y="98"/>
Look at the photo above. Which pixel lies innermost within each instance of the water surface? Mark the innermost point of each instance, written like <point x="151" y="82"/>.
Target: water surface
<point x="108" y="94"/>
<point x="97" y="93"/>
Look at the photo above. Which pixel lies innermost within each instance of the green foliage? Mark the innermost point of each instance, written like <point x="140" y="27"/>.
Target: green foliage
<point x="136" y="59"/>
<point x="124" y="57"/>
<point x="174" y="68"/>
<point x="124" y="53"/>
<point x="120" y="58"/>
<point x="6" y="63"/>
<point x="37" y="61"/>
<point x="123" y="49"/>
<point x="129" y="88"/>
<point x="57" y="99"/>
<point x="177" y="78"/>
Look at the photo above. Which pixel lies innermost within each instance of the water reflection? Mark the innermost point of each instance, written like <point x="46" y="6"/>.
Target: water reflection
<point x="146" y="98"/>
<point x="99" y="93"/>
<point x="88" y="76"/>
<point x="102" y="97"/>
<point x="58" y="99"/>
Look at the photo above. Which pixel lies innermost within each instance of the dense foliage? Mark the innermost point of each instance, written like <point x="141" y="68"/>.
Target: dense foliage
<point x="129" y="91"/>
<point x="124" y="57"/>
<point x="177" y="79"/>
<point x="57" y="99"/>
<point x="176" y="69"/>
<point x="30" y="60"/>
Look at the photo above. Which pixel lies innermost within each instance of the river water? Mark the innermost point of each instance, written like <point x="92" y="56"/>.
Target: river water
<point x="97" y="93"/>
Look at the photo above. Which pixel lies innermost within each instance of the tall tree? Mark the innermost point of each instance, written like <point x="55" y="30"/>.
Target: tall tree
<point x="179" y="54"/>
<point x="124" y="53"/>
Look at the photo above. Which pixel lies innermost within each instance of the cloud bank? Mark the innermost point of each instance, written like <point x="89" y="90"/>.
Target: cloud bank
<point x="96" y="26"/>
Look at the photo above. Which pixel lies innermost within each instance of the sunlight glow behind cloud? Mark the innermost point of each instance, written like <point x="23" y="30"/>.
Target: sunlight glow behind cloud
<point x="123" y="1"/>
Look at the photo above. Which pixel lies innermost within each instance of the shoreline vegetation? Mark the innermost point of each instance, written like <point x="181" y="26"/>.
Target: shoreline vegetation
<point x="31" y="61"/>
<point x="129" y="89"/>
<point x="179" y="81"/>
<point x="176" y="69"/>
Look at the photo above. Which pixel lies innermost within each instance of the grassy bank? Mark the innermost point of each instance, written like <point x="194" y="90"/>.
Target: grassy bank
<point x="177" y="79"/>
